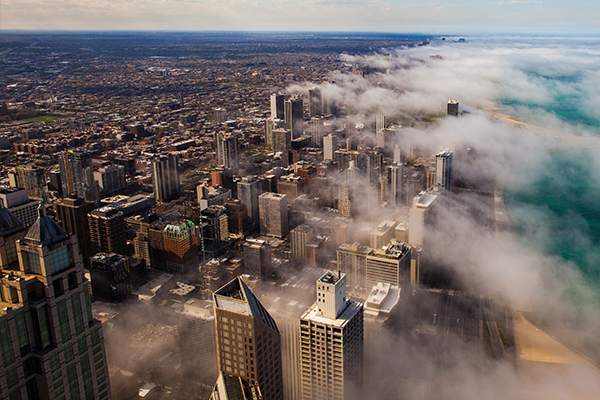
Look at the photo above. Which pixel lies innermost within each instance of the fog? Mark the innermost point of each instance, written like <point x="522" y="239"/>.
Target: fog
<point x="527" y="77"/>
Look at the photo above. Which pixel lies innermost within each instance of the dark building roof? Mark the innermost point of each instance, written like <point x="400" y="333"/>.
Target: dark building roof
<point x="8" y="222"/>
<point x="45" y="230"/>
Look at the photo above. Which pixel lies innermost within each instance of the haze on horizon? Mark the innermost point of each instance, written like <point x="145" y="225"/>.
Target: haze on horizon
<point x="523" y="16"/>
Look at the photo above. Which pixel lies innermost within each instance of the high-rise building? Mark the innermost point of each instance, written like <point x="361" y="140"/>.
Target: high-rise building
<point x="389" y="264"/>
<point x="443" y="168"/>
<point x="257" y="258"/>
<point x="110" y="276"/>
<point x="231" y="387"/>
<point x="344" y="201"/>
<point x="237" y="216"/>
<point x="328" y="147"/>
<point x="215" y="226"/>
<point x="282" y="140"/>
<point x="111" y="179"/>
<point x="379" y="122"/>
<point x="395" y="175"/>
<point x="211" y="195"/>
<point x="352" y="260"/>
<point x="248" y="340"/>
<point x="419" y="217"/>
<point x="315" y="102"/>
<point x="273" y="214"/>
<point x="227" y="152"/>
<point x="197" y="346"/>
<point x="51" y="345"/>
<point x="220" y="115"/>
<point x="165" y="178"/>
<point x="181" y="246"/>
<point x="452" y="107"/>
<point x="270" y="125"/>
<point x="331" y="343"/>
<point x="17" y="201"/>
<point x="381" y="234"/>
<point x="107" y="231"/>
<point x="317" y="129"/>
<point x="33" y="179"/>
<point x="72" y="214"/>
<point x="293" y="115"/>
<point x="292" y="186"/>
<point x="277" y="106"/>
<point x="77" y="175"/>
<point x="248" y="190"/>
<point x="299" y="237"/>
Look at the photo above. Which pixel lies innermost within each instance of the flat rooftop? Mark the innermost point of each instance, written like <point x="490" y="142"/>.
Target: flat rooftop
<point x="312" y="314"/>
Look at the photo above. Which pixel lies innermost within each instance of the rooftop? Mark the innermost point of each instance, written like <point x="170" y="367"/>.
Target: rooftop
<point x="314" y="315"/>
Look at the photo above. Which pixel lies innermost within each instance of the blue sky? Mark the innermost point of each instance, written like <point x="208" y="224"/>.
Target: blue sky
<point x="314" y="15"/>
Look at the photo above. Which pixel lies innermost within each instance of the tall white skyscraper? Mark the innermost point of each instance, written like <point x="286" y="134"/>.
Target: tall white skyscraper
<point x="277" y="105"/>
<point x="419" y="216"/>
<point x="331" y="343"/>
<point x="443" y="168"/>
<point x="273" y="214"/>
<point x="316" y="125"/>
<point x="379" y="122"/>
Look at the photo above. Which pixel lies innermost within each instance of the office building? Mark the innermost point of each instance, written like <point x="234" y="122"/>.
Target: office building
<point x="443" y="169"/>
<point x="273" y="214"/>
<point x="231" y="387"/>
<point x="328" y="147"/>
<point x="212" y="196"/>
<point x="293" y="114"/>
<point x="215" y="226"/>
<point x="292" y="186"/>
<point x="270" y="125"/>
<point x="381" y="234"/>
<point x="452" y="107"/>
<point x="395" y="185"/>
<point x="315" y="102"/>
<point x="299" y="237"/>
<point x="419" y="217"/>
<point x="248" y="340"/>
<point x="389" y="264"/>
<point x="17" y="201"/>
<point x="317" y="131"/>
<point x="72" y="214"/>
<point x="257" y="258"/>
<point x="110" y="276"/>
<point x="77" y="175"/>
<point x="282" y="140"/>
<point x="344" y="201"/>
<point x="248" y="190"/>
<point x="165" y="178"/>
<point x="33" y="179"/>
<point x="331" y="343"/>
<point x="181" y="246"/>
<point x="111" y="179"/>
<point x="52" y="347"/>
<point x="107" y="231"/>
<point x="352" y="260"/>
<point x="220" y="115"/>
<point x="227" y="152"/>
<point x="197" y="345"/>
<point x="237" y="216"/>
<point x="277" y="106"/>
<point x="379" y="122"/>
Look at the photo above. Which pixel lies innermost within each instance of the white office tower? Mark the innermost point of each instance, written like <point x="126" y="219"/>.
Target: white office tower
<point x="328" y="147"/>
<point x="397" y="154"/>
<point x="395" y="173"/>
<point x="419" y="216"/>
<point x="443" y="168"/>
<point x="331" y="343"/>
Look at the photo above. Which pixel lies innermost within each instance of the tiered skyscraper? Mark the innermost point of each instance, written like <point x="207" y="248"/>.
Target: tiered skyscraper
<point x="248" y="341"/>
<point x="331" y="343"/>
<point x="51" y="347"/>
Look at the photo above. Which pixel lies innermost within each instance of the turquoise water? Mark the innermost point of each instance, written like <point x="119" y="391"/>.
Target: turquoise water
<point x="559" y="213"/>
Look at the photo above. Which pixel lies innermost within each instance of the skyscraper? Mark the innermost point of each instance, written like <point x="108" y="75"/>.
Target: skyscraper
<point x="77" y="175"/>
<point x="273" y="214"/>
<point x="315" y="102"/>
<point x="293" y="114"/>
<point x="331" y="343"/>
<point x="72" y="214"/>
<point x="181" y="246"/>
<point x="395" y="175"/>
<point x="270" y="125"/>
<point x="443" y="168"/>
<point x="248" y="340"/>
<point x="452" y="107"/>
<point x="316" y="125"/>
<point x="328" y="147"/>
<point x="248" y="190"/>
<point x="282" y="140"/>
<point x="299" y="236"/>
<point x="419" y="217"/>
<point x="51" y="345"/>
<point x="257" y="258"/>
<point x="379" y="122"/>
<point x="33" y="179"/>
<point x="277" y="106"/>
<point x="389" y="264"/>
<point x="107" y="231"/>
<point x="227" y="152"/>
<point x="197" y="346"/>
<point x="110" y="276"/>
<point x="165" y="178"/>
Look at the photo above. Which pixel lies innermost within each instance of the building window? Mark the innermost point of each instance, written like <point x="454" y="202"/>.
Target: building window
<point x="34" y="263"/>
